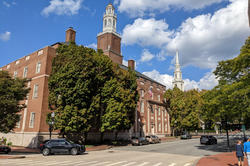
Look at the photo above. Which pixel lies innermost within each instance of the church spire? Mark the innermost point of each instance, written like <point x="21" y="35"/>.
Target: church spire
<point x="177" y="74"/>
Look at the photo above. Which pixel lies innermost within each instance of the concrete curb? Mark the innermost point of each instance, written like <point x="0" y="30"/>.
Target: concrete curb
<point x="12" y="157"/>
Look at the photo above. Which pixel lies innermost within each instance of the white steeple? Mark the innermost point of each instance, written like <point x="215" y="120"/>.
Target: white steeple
<point x="109" y="19"/>
<point x="177" y="74"/>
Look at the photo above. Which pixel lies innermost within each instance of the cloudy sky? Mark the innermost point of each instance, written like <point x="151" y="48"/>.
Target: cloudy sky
<point x="203" y="31"/>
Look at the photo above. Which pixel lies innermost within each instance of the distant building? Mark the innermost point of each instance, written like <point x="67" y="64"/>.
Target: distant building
<point x="178" y="82"/>
<point x="151" y="116"/>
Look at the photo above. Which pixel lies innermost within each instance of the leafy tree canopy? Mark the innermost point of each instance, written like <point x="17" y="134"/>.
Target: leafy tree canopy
<point x="12" y="92"/>
<point x="88" y="91"/>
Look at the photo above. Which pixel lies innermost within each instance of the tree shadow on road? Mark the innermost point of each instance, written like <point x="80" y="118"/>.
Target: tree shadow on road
<point x="220" y="147"/>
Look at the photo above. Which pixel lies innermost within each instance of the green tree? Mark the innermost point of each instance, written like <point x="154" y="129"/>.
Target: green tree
<point x="12" y="92"/>
<point x="85" y="88"/>
<point x="184" y="109"/>
<point x="119" y="99"/>
<point x="229" y="101"/>
<point x="76" y="76"/>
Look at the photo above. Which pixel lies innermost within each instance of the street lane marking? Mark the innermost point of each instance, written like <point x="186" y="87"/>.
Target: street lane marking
<point x="143" y="164"/>
<point x="187" y="164"/>
<point x="64" y="162"/>
<point x="106" y="162"/>
<point x="173" y="164"/>
<point x="129" y="164"/>
<point x="116" y="163"/>
<point x="91" y="162"/>
<point x="158" y="164"/>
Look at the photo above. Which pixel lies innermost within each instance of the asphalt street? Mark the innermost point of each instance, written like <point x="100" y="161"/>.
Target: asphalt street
<point x="177" y="153"/>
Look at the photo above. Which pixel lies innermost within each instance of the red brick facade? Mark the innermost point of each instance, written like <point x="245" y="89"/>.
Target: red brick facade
<point x="151" y="116"/>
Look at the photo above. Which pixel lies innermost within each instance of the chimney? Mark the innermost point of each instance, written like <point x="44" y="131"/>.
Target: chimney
<point x="131" y="64"/>
<point x="70" y="35"/>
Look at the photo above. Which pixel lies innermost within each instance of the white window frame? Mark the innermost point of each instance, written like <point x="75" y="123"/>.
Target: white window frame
<point x="159" y="97"/>
<point x="142" y="106"/>
<point x="32" y="119"/>
<point x="15" y="74"/>
<point x="159" y="111"/>
<point x="40" y="52"/>
<point x="18" y="124"/>
<point x="35" y="91"/>
<point x="25" y="72"/>
<point x="142" y="93"/>
<point x="27" y="58"/>
<point x="38" y="67"/>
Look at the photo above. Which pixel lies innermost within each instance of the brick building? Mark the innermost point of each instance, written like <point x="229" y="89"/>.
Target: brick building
<point x="151" y="116"/>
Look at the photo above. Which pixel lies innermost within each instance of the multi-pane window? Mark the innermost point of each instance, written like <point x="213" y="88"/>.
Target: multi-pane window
<point x="38" y="67"/>
<point x="18" y="124"/>
<point x="15" y="74"/>
<point x="159" y="126"/>
<point x="35" y="91"/>
<point x="159" y="98"/>
<point x="32" y="119"/>
<point x="142" y="93"/>
<point x="27" y="58"/>
<point x="40" y="52"/>
<point x="142" y="106"/>
<point x="159" y="111"/>
<point x="25" y="72"/>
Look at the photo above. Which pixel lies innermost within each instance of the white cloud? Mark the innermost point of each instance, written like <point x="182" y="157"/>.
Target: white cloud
<point x="141" y="7"/>
<point x="6" y="4"/>
<point x="206" y="39"/>
<point x="92" y="45"/>
<point x="202" y="41"/>
<point x="149" y="32"/>
<point x="146" y="56"/>
<point x="5" y="36"/>
<point x="62" y="7"/>
<point x="207" y="82"/>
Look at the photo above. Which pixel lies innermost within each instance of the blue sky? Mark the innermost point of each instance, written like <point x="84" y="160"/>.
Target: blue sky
<point x="204" y="32"/>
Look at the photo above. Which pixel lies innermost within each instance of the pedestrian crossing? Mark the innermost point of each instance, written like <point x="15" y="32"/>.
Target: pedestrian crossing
<point x="45" y="162"/>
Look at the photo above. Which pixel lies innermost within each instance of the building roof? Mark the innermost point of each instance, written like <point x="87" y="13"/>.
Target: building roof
<point x="138" y="74"/>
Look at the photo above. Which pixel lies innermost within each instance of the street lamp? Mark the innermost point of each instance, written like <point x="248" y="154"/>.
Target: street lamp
<point x="51" y="123"/>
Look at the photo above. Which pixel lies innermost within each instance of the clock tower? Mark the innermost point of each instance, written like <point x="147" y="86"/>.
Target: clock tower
<point x="109" y="40"/>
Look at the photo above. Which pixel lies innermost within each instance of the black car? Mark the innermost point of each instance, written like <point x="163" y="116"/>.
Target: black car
<point x="139" y="141"/>
<point x="5" y="149"/>
<point x="61" y="146"/>
<point x="208" y="140"/>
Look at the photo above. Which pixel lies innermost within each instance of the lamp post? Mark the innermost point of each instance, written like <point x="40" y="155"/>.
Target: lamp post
<point x="51" y="123"/>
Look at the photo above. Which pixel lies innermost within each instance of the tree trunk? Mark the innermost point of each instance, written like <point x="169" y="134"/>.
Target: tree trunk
<point x="116" y="134"/>
<point x="85" y="137"/>
<point x="228" y="147"/>
<point x="101" y="137"/>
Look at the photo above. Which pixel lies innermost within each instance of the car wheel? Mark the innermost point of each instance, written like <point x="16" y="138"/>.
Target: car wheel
<point x="73" y="151"/>
<point x="46" y="152"/>
<point x="140" y="144"/>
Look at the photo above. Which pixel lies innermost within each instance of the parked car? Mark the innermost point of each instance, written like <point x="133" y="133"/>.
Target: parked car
<point x="5" y="149"/>
<point x="186" y="135"/>
<point x="61" y="146"/>
<point x="208" y="140"/>
<point x="139" y="141"/>
<point x="153" y="139"/>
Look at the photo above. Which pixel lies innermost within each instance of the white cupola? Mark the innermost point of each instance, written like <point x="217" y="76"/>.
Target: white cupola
<point x="109" y="19"/>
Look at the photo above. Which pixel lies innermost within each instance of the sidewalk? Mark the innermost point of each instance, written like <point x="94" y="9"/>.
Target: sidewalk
<point x="222" y="159"/>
